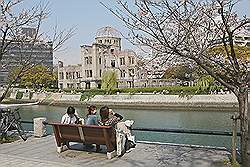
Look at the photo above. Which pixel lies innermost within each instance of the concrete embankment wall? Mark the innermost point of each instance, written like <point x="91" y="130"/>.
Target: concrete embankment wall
<point x="226" y="100"/>
<point x="134" y="101"/>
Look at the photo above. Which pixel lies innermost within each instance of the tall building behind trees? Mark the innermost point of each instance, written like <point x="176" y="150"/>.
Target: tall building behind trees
<point x="20" y="52"/>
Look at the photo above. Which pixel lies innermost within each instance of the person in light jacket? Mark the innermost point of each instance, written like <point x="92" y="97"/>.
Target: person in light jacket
<point x="70" y="117"/>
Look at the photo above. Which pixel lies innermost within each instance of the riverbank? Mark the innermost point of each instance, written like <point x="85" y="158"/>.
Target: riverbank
<point x="227" y="101"/>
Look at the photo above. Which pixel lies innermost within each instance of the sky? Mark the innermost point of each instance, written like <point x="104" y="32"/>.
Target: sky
<point x="87" y="16"/>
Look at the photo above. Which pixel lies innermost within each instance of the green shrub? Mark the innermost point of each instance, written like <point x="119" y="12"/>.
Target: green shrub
<point x="169" y="89"/>
<point x="19" y="95"/>
<point x="89" y="93"/>
<point x="52" y="90"/>
<point x="8" y="139"/>
<point x="69" y="90"/>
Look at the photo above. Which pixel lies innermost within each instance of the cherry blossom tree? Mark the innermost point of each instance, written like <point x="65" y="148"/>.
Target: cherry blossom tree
<point x="190" y="30"/>
<point x="13" y="18"/>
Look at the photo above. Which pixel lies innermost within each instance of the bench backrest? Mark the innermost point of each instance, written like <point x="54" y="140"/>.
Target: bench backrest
<point x="84" y="133"/>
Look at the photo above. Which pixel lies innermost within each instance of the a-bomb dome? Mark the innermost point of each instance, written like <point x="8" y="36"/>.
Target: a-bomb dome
<point x="107" y="32"/>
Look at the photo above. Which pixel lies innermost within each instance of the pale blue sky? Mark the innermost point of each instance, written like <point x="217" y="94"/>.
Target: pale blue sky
<point x="88" y="16"/>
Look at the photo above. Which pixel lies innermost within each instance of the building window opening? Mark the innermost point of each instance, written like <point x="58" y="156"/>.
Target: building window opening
<point x="67" y="75"/>
<point x="131" y="72"/>
<point x="78" y="86"/>
<point x="87" y="86"/>
<point x="61" y="86"/>
<point x="88" y="60"/>
<point x="70" y="75"/>
<point x="78" y="75"/>
<point x="122" y="61"/>
<point x="99" y="86"/>
<point x="61" y="76"/>
<point x="100" y="60"/>
<point x="88" y="73"/>
<point x="131" y="60"/>
<point x="123" y="74"/>
<point x="112" y="51"/>
<point x="113" y="63"/>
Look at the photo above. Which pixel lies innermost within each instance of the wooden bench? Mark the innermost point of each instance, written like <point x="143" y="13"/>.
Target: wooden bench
<point x="88" y="134"/>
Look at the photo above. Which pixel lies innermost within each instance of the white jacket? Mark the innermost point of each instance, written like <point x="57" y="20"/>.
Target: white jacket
<point x="66" y="119"/>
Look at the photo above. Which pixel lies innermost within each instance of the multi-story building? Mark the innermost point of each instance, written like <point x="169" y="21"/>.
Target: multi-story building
<point x="69" y="76"/>
<point x="242" y="40"/>
<point x="105" y="53"/>
<point x="26" y="52"/>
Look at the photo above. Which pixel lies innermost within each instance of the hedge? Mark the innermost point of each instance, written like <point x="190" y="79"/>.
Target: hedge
<point x="19" y="95"/>
<point x="167" y="90"/>
<point x="171" y="90"/>
<point x="87" y="94"/>
<point x="54" y="90"/>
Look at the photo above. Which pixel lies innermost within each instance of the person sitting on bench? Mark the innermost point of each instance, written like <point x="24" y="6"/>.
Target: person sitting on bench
<point x="91" y="116"/>
<point x="124" y="138"/>
<point x="70" y="117"/>
<point x="108" y="117"/>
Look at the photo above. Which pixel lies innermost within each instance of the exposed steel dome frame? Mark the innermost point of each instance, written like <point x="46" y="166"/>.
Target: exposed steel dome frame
<point x="108" y="32"/>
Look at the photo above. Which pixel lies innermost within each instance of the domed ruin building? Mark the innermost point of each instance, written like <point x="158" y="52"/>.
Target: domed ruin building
<point x="105" y="53"/>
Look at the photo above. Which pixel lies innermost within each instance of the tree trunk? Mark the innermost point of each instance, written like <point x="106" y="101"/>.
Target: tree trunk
<point x="5" y="93"/>
<point x="248" y="133"/>
<point x="244" y="128"/>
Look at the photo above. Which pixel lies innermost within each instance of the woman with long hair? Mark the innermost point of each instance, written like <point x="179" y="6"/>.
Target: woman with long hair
<point x="91" y="116"/>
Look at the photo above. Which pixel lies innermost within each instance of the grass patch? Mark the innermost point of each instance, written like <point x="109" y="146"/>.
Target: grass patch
<point x="8" y="139"/>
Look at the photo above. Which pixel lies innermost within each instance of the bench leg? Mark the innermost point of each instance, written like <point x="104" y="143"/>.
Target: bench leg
<point x="98" y="149"/>
<point x="67" y="144"/>
<point x="59" y="149"/>
<point x="112" y="154"/>
<point x="62" y="148"/>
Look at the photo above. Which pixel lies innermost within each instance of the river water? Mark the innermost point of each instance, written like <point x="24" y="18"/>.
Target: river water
<point x="208" y="119"/>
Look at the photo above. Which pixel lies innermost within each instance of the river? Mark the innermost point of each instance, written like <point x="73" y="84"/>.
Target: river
<point x="194" y="118"/>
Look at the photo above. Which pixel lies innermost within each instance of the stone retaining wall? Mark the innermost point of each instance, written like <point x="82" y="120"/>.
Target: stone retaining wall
<point x="218" y="100"/>
<point x="227" y="98"/>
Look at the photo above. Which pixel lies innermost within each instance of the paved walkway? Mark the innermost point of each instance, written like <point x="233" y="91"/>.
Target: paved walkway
<point x="41" y="152"/>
